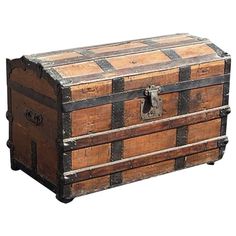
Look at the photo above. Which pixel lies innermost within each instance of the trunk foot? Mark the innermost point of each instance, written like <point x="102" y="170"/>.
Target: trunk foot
<point x="211" y="163"/>
<point x="64" y="200"/>
<point x="14" y="166"/>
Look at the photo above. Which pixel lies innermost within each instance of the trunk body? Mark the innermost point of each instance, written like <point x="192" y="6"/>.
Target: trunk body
<point x="88" y="119"/>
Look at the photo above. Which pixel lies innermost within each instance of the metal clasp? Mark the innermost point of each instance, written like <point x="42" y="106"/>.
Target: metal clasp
<point x="151" y="106"/>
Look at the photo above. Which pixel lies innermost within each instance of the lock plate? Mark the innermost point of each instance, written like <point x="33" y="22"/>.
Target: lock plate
<point x="151" y="106"/>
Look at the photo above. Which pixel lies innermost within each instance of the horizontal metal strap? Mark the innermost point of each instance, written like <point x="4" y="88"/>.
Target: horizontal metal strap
<point x="44" y="54"/>
<point x="128" y="51"/>
<point x="142" y="69"/>
<point x="28" y="92"/>
<point x="142" y="160"/>
<point x="132" y="94"/>
<point x="143" y="129"/>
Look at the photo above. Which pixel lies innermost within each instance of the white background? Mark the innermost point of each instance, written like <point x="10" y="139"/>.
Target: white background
<point x="195" y="201"/>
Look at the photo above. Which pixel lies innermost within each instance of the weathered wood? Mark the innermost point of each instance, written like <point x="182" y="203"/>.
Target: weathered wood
<point x="29" y="79"/>
<point x="131" y="61"/>
<point x="80" y="79"/>
<point x="88" y="119"/>
<point x="203" y="130"/>
<point x="69" y="106"/>
<point x="149" y="143"/>
<point x="116" y="49"/>
<point x="142" y="160"/>
<point x="89" y="186"/>
<point x="203" y="157"/>
<point x="25" y="132"/>
<point x="194" y="51"/>
<point x="207" y="69"/>
<point x="85" y="68"/>
<point x="141" y="129"/>
<point x="60" y="56"/>
<point x="90" y="156"/>
<point x="21" y="103"/>
<point x="148" y="171"/>
<point x="91" y="120"/>
<point x="132" y="109"/>
<point x="91" y="90"/>
<point x="205" y="98"/>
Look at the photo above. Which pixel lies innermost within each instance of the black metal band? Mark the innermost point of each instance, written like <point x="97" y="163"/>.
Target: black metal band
<point x="67" y="161"/>
<point x="9" y="113"/>
<point x="105" y="65"/>
<point x="42" y="99"/>
<point x="146" y="128"/>
<point x="225" y="101"/>
<point x="66" y="125"/>
<point x="34" y="156"/>
<point x="132" y="94"/>
<point x="171" y="54"/>
<point x="151" y="46"/>
<point x="85" y="52"/>
<point x="117" y="121"/>
<point x="218" y="51"/>
<point x="67" y="82"/>
<point x="142" y="160"/>
<point x="183" y="108"/>
<point x="64" y="159"/>
<point x="149" y="42"/>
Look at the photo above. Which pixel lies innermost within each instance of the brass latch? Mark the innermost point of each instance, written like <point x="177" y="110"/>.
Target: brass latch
<point x="151" y="106"/>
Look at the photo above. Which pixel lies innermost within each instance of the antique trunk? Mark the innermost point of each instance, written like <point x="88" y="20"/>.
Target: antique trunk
<point x="87" y="119"/>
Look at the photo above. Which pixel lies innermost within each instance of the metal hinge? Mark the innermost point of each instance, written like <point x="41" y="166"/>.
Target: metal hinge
<point x="151" y="106"/>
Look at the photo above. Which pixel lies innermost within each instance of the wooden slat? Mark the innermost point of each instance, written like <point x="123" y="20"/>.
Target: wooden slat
<point x="174" y="39"/>
<point x="149" y="45"/>
<point x="141" y="129"/>
<point x="140" y="173"/>
<point x="128" y="45"/>
<point x="109" y="45"/>
<point x="134" y="60"/>
<point x="148" y="171"/>
<point x="207" y="69"/>
<point x="84" y="68"/>
<point x="194" y="51"/>
<point x="90" y="120"/>
<point x="204" y="130"/>
<point x="142" y="160"/>
<point x="91" y="90"/>
<point x="29" y="79"/>
<point x="201" y="158"/>
<point x="90" y="156"/>
<point x="156" y="78"/>
<point x="141" y="69"/>
<point x="89" y="186"/>
<point x="59" y="56"/>
<point x="205" y="98"/>
<point x="149" y="143"/>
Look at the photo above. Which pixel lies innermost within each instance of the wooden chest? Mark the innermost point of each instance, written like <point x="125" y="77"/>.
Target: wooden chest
<point x="87" y="119"/>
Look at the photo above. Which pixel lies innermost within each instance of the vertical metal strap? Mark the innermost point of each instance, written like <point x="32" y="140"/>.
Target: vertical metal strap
<point x="9" y="113"/>
<point x="34" y="156"/>
<point x="171" y="54"/>
<point x="225" y="101"/>
<point x="105" y="65"/>
<point x="183" y="108"/>
<point x="117" y="121"/>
